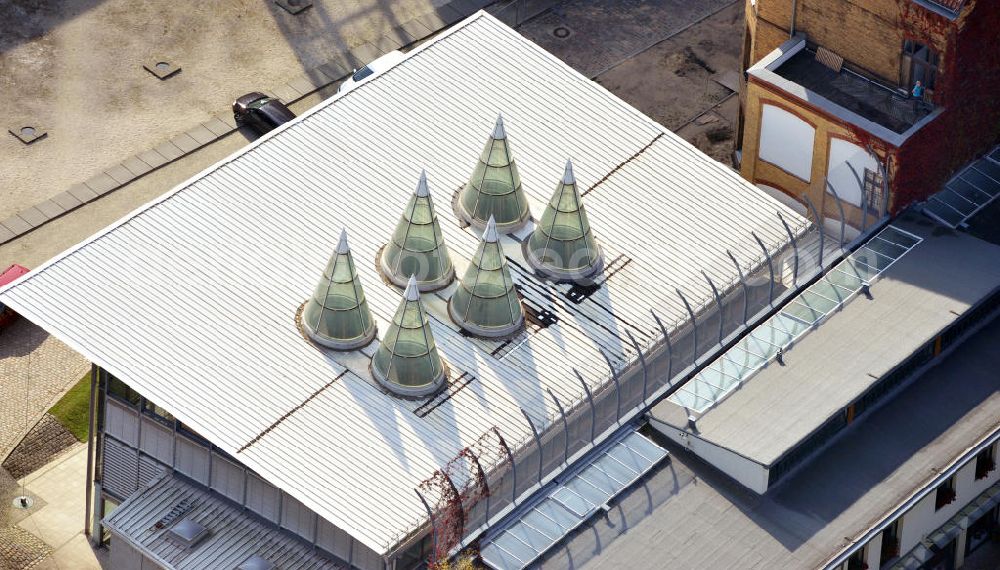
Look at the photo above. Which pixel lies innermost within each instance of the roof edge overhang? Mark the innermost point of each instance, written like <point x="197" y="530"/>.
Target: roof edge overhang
<point x="764" y="73"/>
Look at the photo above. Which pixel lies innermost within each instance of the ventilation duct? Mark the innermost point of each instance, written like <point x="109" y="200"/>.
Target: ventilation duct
<point x="495" y="188"/>
<point x="485" y="302"/>
<point x="417" y="246"/>
<point x="407" y="361"/>
<point x="337" y="315"/>
<point x="562" y="245"/>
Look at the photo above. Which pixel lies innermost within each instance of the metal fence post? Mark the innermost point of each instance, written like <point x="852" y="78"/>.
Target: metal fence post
<point x="864" y="197"/>
<point x="562" y="413"/>
<point x="538" y="442"/>
<point x="818" y="225"/>
<point x="840" y="208"/>
<point x="618" y="387"/>
<point x="513" y="466"/>
<point x="430" y="514"/>
<point x="795" y="249"/>
<point x="642" y="361"/>
<point x="590" y="399"/>
<point x="743" y="283"/>
<point x="770" y="268"/>
<point x="694" y="325"/>
<point x="666" y="341"/>
<point x="718" y="303"/>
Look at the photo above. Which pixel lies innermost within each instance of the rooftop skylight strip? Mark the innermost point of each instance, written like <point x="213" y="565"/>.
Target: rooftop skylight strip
<point x="799" y="315"/>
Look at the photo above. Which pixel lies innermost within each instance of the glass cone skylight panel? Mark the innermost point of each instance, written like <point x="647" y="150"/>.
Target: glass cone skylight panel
<point x="808" y="308"/>
<point x="566" y="506"/>
<point x="562" y="245"/>
<point x="486" y="302"/>
<point x="407" y="361"/>
<point x="417" y="246"/>
<point x="968" y="192"/>
<point x="337" y="315"/>
<point x="494" y="189"/>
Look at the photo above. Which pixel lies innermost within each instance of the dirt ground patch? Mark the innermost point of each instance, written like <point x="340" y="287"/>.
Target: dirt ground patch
<point x="675" y="80"/>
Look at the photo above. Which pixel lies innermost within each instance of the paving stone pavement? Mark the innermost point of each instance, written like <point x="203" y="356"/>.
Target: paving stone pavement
<point x="30" y="357"/>
<point x="43" y="443"/>
<point x="19" y="549"/>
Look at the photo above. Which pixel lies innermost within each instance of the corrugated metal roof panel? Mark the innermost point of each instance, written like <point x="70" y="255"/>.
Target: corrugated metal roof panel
<point x="192" y="299"/>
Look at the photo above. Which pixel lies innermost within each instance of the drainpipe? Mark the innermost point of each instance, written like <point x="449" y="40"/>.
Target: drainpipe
<point x="791" y="31"/>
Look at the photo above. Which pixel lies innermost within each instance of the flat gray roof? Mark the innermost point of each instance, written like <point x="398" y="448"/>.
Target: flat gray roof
<point x="832" y="365"/>
<point x="688" y="515"/>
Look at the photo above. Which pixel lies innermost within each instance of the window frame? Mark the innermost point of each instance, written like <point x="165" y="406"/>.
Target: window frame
<point x="945" y="494"/>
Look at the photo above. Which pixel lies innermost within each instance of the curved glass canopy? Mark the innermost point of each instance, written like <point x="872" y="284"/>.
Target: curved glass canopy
<point x="417" y="247"/>
<point x="407" y="361"/>
<point x="337" y="315"/>
<point x="494" y="189"/>
<point x="562" y="245"/>
<point x="485" y="302"/>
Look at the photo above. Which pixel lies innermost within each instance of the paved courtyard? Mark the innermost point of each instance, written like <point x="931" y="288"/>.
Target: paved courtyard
<point x="30" y="356"/>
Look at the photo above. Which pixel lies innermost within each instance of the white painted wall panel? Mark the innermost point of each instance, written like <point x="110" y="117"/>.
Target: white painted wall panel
<point x="122" y="423"/>
<point x="192" y="460"/>
<point x="296" y="517"/>
<point x="333" y="540"/>
<point x="123" y="556"/>
<point x="228" y="479"/>
<point x="786" y="141"/>
<point x="845" y="156"/>
<point x="262" y="498"/>
<point x="157" y="441"/>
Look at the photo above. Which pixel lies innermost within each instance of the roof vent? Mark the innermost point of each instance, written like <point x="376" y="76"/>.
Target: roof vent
<point x="562" y="245"/>
<point x="495" y="188"/>
<point x="407" y="361"/>
<point x="337" y="315"/>
<point x="485" y="302"/>
<point x="187" y="533"/>
<point x="417" y="246"/>
<point x="256" y="562"/>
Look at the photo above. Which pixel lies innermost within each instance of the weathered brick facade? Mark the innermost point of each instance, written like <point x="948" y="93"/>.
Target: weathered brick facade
<point x="869" y="35"/>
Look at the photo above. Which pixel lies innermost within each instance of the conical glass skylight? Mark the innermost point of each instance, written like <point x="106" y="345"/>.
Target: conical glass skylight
<point x="417" y="246"/>
<point x="562" y="245"/>
<point x="337" y="315"/>
<point x="485" y="302"/>
<point x="495" y="188"/>
<point x="407" y="361"/>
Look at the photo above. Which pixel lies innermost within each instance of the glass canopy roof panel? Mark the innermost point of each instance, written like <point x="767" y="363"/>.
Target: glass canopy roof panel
<point x="981" y="181"/>
<point x="968" y="191"/>
<point x="566" y="506"/>
<point x="794" y="319"/>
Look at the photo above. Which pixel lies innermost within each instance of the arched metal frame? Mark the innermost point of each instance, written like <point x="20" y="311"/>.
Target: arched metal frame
<point x="770" y="268"/>
<point x="590" y="400"/>
<point x="430" y="515"/>
<point x="538" y="442"/>
<point x="743" y="283"/>
<point x="694" y="324"/>
<point x="840" y="208"/>
<point x="562" y="412"/>
<point x="513" y="466"/>
<point x="670" y="348"/>
<point x="618" y="388"/>
<point x="795" y="249"/>
<point x="642" y="361"/>
<point x="819" y="226"/>
<point x="718" y="303"/>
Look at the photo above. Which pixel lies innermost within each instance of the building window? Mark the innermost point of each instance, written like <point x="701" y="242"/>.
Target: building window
<point x="985" y="462"/>
<point x="919" y="63"/>
<point x="945" y="493"/>
<point x="107" y="507"/>
<point x="890" y="543"/>
<point x="158" y="413"/>
<point x="120" y="390"/>
<point x="874" y="190"/>
<point x="857" y="559"/>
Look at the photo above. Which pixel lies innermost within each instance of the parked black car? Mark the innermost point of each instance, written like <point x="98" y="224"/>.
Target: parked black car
<point x="260" y="112"/>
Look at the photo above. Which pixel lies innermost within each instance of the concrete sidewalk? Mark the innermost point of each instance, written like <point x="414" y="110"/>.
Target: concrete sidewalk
<point x="59" y="492"/>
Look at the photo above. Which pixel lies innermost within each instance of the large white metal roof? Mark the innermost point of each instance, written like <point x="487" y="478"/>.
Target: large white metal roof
<point x="192" y="298"/>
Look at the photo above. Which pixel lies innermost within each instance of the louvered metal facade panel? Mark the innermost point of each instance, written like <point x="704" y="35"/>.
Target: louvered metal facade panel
<point x="121" y="468"/>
